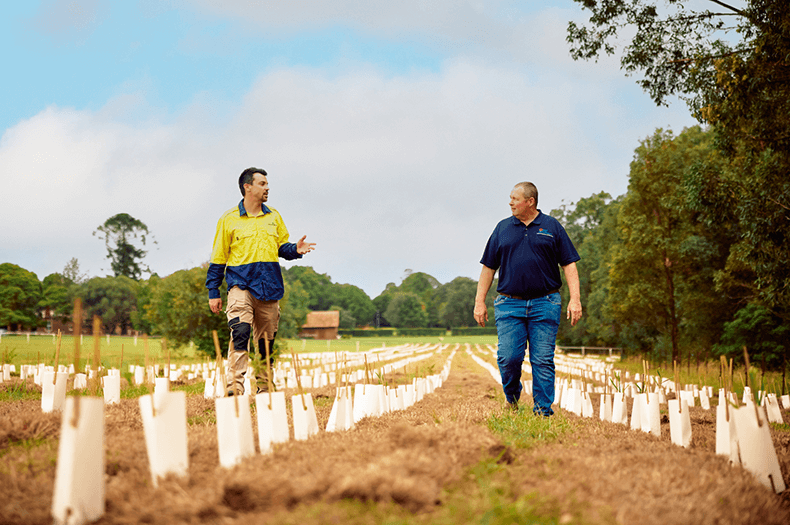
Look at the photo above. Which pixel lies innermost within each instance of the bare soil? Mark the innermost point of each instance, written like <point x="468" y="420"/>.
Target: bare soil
<point x="410" y="465"/>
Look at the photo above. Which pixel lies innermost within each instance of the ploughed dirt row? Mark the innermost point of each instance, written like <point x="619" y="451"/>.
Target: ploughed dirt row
<point x="406" y="462"/>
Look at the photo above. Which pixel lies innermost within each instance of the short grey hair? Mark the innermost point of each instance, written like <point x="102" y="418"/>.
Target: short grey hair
<point x="529" y="190"/>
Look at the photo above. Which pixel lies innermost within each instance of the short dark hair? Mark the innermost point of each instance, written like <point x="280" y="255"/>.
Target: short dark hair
<point x="247" y="176"/>
<point x="529" y="190"/>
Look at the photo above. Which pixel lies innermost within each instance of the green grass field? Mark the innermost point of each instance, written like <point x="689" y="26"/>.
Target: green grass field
<point x="18" y="349"/>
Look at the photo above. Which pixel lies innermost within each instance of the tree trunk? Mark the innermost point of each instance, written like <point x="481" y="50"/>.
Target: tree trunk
<point x="673" y="318"/>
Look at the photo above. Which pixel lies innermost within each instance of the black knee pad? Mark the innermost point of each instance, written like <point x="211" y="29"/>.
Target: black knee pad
<point x="240" y="332"/>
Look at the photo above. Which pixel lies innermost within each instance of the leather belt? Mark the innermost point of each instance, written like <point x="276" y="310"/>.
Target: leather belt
<point x="556" y="290"/>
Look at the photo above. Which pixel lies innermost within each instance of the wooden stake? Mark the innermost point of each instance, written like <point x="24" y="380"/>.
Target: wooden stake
<point x="337" y="368"/>
<point x="724" y="382"/>
<point x="268" y="367"/>
<point x="225" y="372"/>
<point x="749" y="384"/>
<point x="220" y="373"/>
<point x="677" y="386"/>
<point x="96" y="353"/>
<point x="77" y="331"/>
<point x="298" y="379"/>
<point x="345" y="368"/>
<point x="746" y="362"/>
<point x="722" y="370"/>
<point x="120" y="365"/>
<point x="147" y="362"/>
<point x="57" y="360"/>
<point x="167" y="353"/>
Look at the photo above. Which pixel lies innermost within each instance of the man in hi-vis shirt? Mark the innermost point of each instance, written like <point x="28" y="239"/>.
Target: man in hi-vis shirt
<point x="250" y="239"/>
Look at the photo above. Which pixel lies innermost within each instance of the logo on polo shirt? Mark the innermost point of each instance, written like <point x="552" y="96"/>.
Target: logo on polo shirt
<point x="544" y="231"/>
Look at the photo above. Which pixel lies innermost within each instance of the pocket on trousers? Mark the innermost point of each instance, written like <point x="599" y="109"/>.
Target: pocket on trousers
<point x="555" y="298"/>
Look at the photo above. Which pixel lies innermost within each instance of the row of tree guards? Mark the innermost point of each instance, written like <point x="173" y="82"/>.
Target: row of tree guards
<point x="742" y="432"/>
<point x="79" y="494"/>
<point x="742" y="425"/>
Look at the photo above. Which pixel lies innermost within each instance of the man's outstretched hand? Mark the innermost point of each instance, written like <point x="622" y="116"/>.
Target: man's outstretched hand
<point x="303" y="247"/>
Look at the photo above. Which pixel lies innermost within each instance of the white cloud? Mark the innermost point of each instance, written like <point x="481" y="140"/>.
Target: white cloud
<point x="384" y="173"/>
<point x="67" y="20"/>
<point x="457" y="19"/>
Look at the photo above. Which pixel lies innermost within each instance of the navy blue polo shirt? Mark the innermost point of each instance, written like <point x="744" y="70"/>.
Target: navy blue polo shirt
<point x="529" y="257"/>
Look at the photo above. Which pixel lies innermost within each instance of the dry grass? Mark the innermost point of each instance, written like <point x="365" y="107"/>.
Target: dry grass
<point x="437" y="462"/>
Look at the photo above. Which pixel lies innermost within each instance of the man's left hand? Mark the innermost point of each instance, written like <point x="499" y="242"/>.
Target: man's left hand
<point x="574" y="311"/>
<point x="303" y="247"/>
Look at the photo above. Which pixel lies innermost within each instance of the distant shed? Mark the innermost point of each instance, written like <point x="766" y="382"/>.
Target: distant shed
<point x="321" y="325"/>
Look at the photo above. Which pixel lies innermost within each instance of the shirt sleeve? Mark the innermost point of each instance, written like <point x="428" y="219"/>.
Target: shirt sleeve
<point x="219" y="259"/>
<point x="492" y="256"/>
<point x="567" y="251"/>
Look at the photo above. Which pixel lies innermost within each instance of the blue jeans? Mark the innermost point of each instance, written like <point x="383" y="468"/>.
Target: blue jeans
<point x="535" y="321"/>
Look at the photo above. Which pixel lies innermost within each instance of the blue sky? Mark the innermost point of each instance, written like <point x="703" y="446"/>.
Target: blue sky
<point x="392" y="133"/>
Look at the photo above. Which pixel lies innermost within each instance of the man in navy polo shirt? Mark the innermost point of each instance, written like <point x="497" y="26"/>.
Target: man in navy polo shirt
<point x="528" y="249"/>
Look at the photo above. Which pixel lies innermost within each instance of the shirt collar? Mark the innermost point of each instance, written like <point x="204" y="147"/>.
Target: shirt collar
<point x="243" y="212"/>
<point x="536" y="220"/>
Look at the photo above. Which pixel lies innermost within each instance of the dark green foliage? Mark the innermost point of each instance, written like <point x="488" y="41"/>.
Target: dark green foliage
<point x="323" y="294"/>
<point x="406" y="310"/>
<point x="764" y="334"/>
<point x="381" y="303"/>
<point x="113" y="299"/>
<point x="419" y="287"/>
<point x="20" y="295"/>
<point x="346" y="319"/>
<point x="419" y="283"/>
<point x="452" y="304"/>
<point x="178" y="310"/>
<point x="674" y="47"/>
<point x="57" y="294"/>
<point x="316" y="285"/>
<point x="293" y="309"/>
<point x="444" y="305"/>
<point x="359" y="309"/>
<point x="663" y="272"/>
<point x="741" y="88"/>
<point x="583" y="223"/>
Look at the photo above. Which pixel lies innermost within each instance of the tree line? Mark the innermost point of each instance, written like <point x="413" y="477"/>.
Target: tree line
<point x="175" y="306"/>
<point x="660" y="275"/>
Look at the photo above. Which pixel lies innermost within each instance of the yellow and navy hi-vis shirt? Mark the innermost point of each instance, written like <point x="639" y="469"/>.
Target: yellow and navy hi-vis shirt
<point x="246" y="253"/>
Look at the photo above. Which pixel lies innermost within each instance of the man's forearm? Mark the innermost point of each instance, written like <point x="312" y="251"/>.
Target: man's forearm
<point x="484" y="284"/>
<point x="572" y="278"/>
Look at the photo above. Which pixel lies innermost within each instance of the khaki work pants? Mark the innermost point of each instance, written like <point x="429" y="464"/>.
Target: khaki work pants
<point x="262" y="317"/>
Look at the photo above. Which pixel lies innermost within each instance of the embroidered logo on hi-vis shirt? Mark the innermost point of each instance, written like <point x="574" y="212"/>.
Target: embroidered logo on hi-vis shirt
<point x="544" y="231"/>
